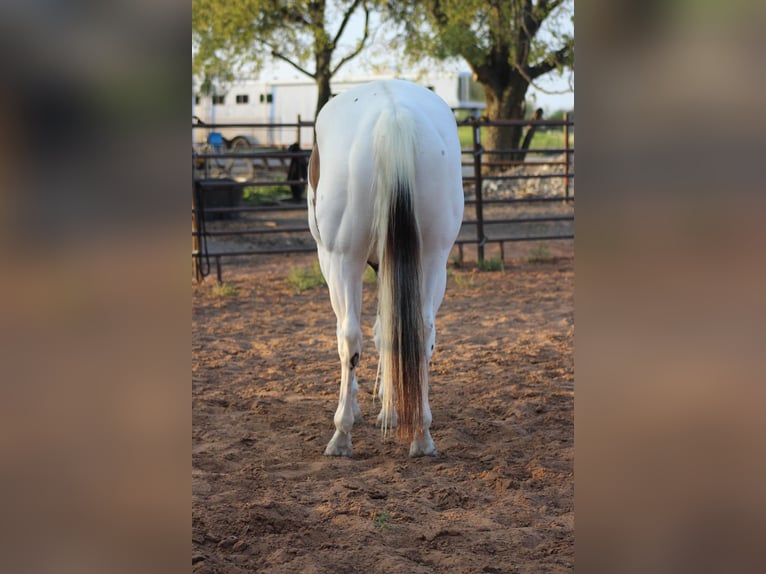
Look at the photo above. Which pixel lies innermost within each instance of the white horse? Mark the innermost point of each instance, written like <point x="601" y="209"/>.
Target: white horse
<point x="390" y="194"/>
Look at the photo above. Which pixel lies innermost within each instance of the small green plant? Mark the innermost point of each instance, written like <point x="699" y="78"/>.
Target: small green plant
<point x="381" y="521"/>
<point x="539" y="254"/>
<point x="492" y="264"/>
<point x="463" y="279"/>
<point x="224" y="290"/>
<point x="304" y="278"/>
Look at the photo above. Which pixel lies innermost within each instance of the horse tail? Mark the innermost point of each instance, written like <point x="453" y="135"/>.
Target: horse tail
<point x="399" y="274"/>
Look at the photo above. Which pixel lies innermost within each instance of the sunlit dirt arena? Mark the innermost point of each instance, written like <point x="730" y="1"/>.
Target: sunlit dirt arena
<point x="265" y="371"/>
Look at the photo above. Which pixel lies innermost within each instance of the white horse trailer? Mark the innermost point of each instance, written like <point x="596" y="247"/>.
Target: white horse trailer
<point x="285" y="101"/>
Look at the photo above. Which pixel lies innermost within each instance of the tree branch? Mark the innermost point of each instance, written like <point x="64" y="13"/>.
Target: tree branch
<point x="291" y="15"/>
<point x="557" y="58"/>
<point x="346" y="18"/>
<point x="361" y="44"/>
<point x="276" y="54"/>
<point x="534" y="16"/>
<point x="434" y="8"/>
<point x="531" y="21"/>
<point x="545" y="7"/>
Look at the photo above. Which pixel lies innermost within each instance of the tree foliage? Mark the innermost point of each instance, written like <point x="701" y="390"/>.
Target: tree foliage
<point x="230" y="35"/>
<point x="508" y="44"/>
<point x="491" y="35"/>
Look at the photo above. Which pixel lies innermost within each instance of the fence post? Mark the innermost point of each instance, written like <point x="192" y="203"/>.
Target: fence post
<point x="298" y="132"/>
<point x="197" y="257"/>
<point x="566" y="156"/>
<point x="477" y="153"/>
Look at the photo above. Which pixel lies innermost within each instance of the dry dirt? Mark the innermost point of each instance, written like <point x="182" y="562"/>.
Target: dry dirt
<point x="498" y="498"/>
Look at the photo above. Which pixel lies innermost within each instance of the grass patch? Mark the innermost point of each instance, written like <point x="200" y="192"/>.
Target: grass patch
<point x="224" y="290"/>
<point x="539" y="254"/>
<point x="551" y="138"/>
<point x="462" y="279"/>
<point x="381" y="521"/>
<point x="369" y="276"/>
<point x="305" y="278"/>
<point x="491" y="264"/>
<point x="266" y="195"/>
<point x="465" y="135"/>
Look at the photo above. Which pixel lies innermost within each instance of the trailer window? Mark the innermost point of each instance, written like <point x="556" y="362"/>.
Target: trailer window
<point x="196" y="100"/>
<point x="217" y="100"/>
<point x="268" y="98"/>
<point x="242" y="98"/>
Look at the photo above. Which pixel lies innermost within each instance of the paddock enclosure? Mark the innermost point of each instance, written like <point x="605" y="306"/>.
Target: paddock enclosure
<point x="498" y="498"/>
<point x="247" y="201"/>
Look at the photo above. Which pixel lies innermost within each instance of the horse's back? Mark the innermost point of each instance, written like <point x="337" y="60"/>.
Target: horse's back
<point x="345" y="128"/>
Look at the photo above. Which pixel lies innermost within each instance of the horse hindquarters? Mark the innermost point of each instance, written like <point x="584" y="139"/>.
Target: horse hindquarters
<point x="375" y="187"/>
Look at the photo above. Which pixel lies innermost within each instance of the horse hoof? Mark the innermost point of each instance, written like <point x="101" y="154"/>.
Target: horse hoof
<point x="415" y="453"/>
<point x="333" y="451"/>
<point x="340" y="445"/>
<point x="425" y="448"/>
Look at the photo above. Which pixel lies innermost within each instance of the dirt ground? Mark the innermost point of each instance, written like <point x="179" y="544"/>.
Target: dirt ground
<point x="498" y="498"/>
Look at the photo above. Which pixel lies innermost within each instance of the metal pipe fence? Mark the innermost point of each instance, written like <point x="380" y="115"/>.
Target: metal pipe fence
<point x="231" y="180"/>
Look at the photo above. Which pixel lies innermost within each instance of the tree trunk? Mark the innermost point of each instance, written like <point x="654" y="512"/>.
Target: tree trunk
<point x="322" y="77"/>
<point x="503" y="104"/>
<point x="324" y="93"/>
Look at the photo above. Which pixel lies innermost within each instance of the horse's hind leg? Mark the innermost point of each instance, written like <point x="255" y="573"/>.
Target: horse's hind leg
<point x="435" y="281"/>
<point x="344" y="280"/>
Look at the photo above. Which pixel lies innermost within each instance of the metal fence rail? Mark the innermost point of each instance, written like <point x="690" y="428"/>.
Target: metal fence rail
<point x="217" y="200"/>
